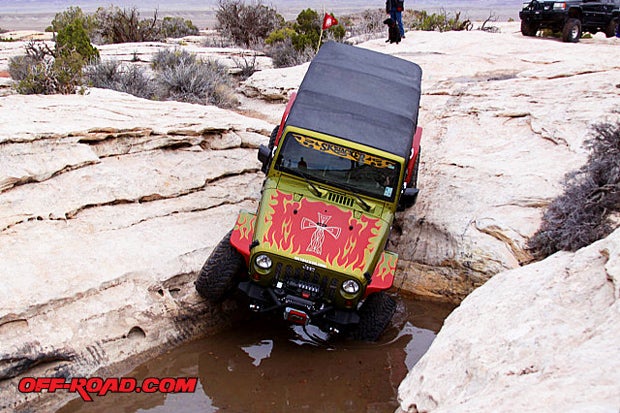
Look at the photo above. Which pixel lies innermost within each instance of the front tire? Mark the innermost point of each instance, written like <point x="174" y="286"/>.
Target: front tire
<point x="220" y="273"/>
<point x="528" y="29"/>
<point x="375" y="315"/>
<point x="571" y="31"/>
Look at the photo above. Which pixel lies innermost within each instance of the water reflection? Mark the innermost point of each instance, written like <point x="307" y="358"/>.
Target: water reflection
<point x="263" y="365"/>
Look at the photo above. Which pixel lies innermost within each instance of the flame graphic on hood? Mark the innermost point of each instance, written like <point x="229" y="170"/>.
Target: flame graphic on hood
<point x="307" y="229"/>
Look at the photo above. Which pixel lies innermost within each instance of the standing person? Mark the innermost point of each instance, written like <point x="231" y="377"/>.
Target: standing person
<point x="395" y="9"/>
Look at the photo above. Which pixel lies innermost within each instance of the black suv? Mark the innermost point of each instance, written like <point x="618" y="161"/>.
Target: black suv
<point x="570" y="18"/>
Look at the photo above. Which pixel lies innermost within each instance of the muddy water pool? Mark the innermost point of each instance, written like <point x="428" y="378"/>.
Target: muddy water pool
<point x="263" y="365"/>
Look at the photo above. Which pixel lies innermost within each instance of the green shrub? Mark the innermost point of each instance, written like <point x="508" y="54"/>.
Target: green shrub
<point x="584" y="212"/>
<point x="246" y="24"/>
<point x="297" y="42"/>
<point x="47" y="71"/>
<point x="72" y="38"/>
<point x="70" y="16"/>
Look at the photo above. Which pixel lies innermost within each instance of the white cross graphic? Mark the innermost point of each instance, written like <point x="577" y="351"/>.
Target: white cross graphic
<point x="320" y="228"/>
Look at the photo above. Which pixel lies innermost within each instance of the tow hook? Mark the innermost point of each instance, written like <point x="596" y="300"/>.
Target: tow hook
<point x="296" y="316"/>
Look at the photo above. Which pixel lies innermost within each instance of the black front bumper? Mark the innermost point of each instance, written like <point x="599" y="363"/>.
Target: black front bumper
<point x="298" y="310"/>
<point x="544" y="18"/>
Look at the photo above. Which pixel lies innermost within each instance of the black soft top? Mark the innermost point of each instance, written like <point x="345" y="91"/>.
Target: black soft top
<point x="360" y="95"/>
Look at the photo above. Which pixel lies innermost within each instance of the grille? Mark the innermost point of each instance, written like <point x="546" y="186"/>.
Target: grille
<point x="340" y="199"/>
<point x="297" y="280"/>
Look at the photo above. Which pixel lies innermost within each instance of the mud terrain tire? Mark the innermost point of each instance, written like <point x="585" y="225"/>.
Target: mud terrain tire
<point x="571" y="31"/>
<point x="375" y="315"/>
<point x="220" y="273"/>
<point x="272" y="137"/>
<point x="528" y="29"/>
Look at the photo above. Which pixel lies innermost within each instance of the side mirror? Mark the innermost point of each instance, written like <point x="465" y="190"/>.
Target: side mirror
<point x="264" y="156"/>
<point x="408" y="198"/>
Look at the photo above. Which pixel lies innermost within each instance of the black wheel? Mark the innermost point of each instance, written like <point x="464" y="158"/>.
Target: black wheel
<point x="571" y="31"/>
<point x="375" y="315"/>
<point x="528" y="28"/>
<point x="612" y="28"/>
<point x="220" y="273"/>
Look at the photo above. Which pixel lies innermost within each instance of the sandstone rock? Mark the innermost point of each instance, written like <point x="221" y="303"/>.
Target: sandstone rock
<point x="109" y="204"/>
<point x="541" y="338"/>
<point x="106" y="218"/>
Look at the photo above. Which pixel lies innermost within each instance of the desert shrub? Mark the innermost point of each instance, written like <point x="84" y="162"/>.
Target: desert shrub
<point x="72" y="38"/>
<point x="246" y="24"/>
<point x="284" y="54"/>
<point x="33" y="76"/>
<point x="584" y="212"/>
<point x="366" y="22"/>
<point x="20" y="66"/>
<point x="441" y="22"/>
<point x="168" y="58"/>
<point x="116" y="25"/>
<point x="297" y="42"/>
<point x="126" y="78"/>
<point x="48" y="75"/>
<point x="48" y="71"/>
<point x="71" y="16"/>
<point x="189" y="79"/>
<point x="176" y="27"/>
<point x="246" y="65"/>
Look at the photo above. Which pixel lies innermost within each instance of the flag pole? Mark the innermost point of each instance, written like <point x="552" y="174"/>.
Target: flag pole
<point x="321" y="35"/>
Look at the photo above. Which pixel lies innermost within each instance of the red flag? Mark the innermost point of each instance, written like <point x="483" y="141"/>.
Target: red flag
<point x="329" y="21"/>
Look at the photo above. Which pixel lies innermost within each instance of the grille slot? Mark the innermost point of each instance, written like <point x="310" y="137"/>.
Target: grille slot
<point x="340" y="199"/>
<point x="326" y="285"/>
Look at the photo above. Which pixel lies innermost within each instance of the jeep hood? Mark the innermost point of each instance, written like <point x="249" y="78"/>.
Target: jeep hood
<point x="318" y="233"/>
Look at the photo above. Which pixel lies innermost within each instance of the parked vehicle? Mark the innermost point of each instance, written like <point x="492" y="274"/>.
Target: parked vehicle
<point x="343" y="159"/>
<point x="570" y="18"/>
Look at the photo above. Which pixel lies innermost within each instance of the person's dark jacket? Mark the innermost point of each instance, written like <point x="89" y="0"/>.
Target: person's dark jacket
<point x="399" y="5"/>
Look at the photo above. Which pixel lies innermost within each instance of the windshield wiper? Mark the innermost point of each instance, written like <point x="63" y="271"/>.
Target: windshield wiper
<point x="316" y="191"/>
<point x="351" y="189"/>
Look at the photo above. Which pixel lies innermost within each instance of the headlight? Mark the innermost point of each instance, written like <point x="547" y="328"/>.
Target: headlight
<point x="559" y="6"/>
<point x="263" y="261"/>
<point x="350" y="287"/>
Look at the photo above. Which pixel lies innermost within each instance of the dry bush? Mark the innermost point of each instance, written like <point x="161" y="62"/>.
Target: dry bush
<point x="285" y="54"/>
<point x="183" y="77"/>
<point x="116" y="25"/>
<point x="246" y="65"/>
<point x="584" y="212"/>
<point x="364" y="23"/>
<point x="246" y="24"/>
<point x="177" y="27"/>
<point x="126" y="78"/>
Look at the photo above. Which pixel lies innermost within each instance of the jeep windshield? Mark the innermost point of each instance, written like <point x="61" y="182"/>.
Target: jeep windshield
<point x="339" y="166"/>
